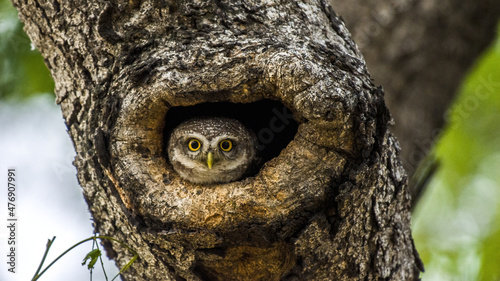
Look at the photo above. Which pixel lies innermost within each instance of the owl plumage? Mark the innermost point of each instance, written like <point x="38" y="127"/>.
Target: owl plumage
<point x="212" y="150"/>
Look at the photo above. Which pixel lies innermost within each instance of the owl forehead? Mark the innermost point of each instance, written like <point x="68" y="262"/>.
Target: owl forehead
<point x="212" y="128"/>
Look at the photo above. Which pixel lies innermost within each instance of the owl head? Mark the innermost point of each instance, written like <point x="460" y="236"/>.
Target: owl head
<point x="211" y="150"/>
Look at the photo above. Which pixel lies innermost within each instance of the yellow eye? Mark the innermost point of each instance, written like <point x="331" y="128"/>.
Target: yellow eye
<point x="226" y="145"/>
<point x="194" y="144"/>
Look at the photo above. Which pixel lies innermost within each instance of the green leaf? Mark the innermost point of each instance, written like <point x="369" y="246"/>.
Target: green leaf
<point x="23" y="71"/>
<point x="92" y="256"/>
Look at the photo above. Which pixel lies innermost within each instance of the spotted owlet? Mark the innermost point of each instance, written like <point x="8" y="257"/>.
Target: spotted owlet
<point x="212" y="150"/>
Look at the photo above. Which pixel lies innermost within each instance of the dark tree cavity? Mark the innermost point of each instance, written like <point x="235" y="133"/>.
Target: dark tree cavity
<point x="272" y="122"/>
<point x="331" y="200"/>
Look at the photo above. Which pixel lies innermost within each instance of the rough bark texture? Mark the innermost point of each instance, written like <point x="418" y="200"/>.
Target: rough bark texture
<point x="333" y="205"/>
<point x="419" y="51"/>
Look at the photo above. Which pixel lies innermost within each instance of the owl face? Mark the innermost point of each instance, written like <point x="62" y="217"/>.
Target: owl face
<point x="211" y="150"/>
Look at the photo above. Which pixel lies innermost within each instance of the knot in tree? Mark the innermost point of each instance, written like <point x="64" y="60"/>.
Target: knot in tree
<point x="326" y="197"/>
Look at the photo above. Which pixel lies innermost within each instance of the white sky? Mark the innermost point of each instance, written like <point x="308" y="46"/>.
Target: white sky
<point x="49" y="202"/>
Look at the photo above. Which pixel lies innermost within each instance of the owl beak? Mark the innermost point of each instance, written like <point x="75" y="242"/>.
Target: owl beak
<point x="210" y="160"/>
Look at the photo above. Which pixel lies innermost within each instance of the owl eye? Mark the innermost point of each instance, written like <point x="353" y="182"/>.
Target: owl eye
<point x="194" y="144"/>
<point x="226" y="145"/>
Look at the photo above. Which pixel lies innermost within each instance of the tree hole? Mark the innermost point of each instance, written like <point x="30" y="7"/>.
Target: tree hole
<point x="271" y="121"/>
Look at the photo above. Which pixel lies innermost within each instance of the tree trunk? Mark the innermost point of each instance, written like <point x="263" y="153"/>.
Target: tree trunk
<point x="419" y="51"/>
<point x="332" y="204"/>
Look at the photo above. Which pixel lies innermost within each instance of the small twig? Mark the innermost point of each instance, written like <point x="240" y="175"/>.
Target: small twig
<point x="49" y="244"/>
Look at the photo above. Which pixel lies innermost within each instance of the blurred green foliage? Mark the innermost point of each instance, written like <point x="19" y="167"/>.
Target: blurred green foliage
<point x="457" y="223"/>
<point x="22" y="70"/>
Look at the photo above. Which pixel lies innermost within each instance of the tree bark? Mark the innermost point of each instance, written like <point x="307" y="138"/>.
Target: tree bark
<point x="419" y="51"/>
<point x="332" y="205"/>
